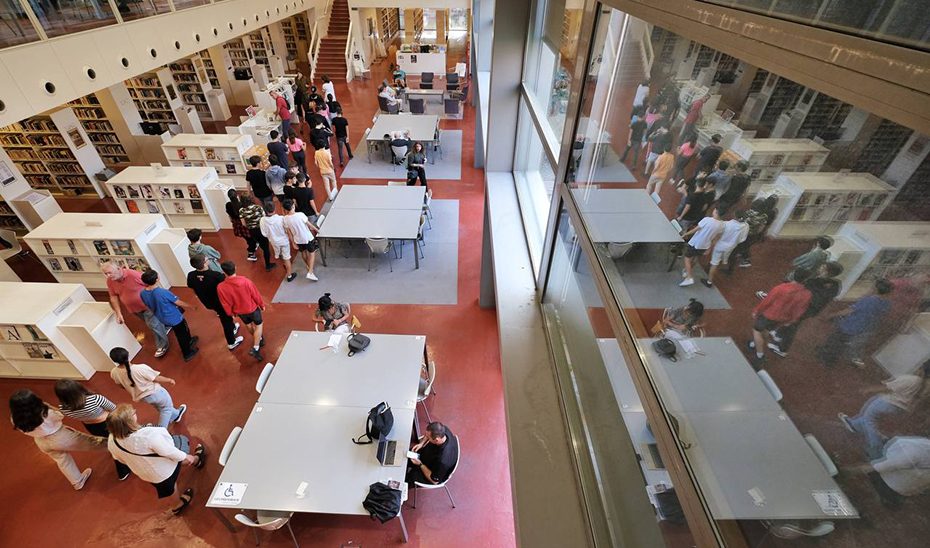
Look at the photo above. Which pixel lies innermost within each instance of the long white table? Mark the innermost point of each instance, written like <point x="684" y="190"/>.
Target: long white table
<point x="614" y="200"/>
<point x="358" y="224"/>
<point x="422" y="127"/>
<point x="631" y="227"/>
<point x="380" y="197"/>
<point x="305" y="374"/>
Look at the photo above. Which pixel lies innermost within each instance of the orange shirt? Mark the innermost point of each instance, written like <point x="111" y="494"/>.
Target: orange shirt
<point x="324" y="160"/>
<point x="664" y="165"/>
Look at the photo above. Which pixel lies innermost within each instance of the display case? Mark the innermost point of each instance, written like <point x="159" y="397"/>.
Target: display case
<point x="225" y="153"/>
<point x="816" y="204"/>
<point x="175" y="192"/>
<point x="872" y="250"/>
<point x="74" y="246"/>
<point x="53" y="331"/>
<point x="768" y="158"/>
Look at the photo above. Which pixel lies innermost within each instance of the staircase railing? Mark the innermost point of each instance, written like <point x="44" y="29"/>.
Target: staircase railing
<point x="320" y="24"/>
<point x="350" y="41"/>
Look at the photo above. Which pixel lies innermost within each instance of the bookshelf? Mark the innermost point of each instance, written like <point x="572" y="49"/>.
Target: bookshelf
<point x="768" y="158"/>
<point x="872" y="250"/>
<point x="257" y="48"/>
<point x="390" y="24"/>
<point x="290" y="36"/>
<point x="9" y="220"/>
<point x="236" y="54"/>
<point x="38" y="149"/>
<point x="417" y="24"/>
<point x="817" y="204"/>
<point x="225" y="153"/>
<point x="73" y="246"/>
<point x="149" y="97"/>
<point x="99" y="129"/>
<point x="191" y="90"/>
<point x="53" y="331"/>
<point x="176" y="192"/>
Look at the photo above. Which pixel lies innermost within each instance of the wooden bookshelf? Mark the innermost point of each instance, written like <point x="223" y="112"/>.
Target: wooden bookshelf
<point x="290" y="36"/>
<point x="149" y="96"/>
<point x="100" y="130"/>
<point x="190" y="89"/>
<point x="39" y="151"/>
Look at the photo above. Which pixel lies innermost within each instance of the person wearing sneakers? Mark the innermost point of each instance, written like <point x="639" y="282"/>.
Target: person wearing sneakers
<point x="855" y="325"/>
<point x="204" y="282"/>
<point x="824" y="288"/>
<point x="324" y="161"/>
<point x="38" y="420"/>
<point x="167" y="307"/>
<point x="299" y="230"/>
<point x="252" y="214"/>
<point x="734" y="233"/>
<point x="143" y="384"/>
<point x="702" y="239"/>
<point x="784" y="305"/>
<point x="197" y="246"/>
<point x="272" y="227"/>
<point x="240" y="297"/>
<point x="124" y="286"/>
<point x="152" y="453"/>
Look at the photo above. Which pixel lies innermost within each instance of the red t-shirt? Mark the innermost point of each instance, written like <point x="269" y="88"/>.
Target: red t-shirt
<point x="695" y="111"/>
<point x="239" y="295"/>
<point x="283" y="111"/>
<point x="785" y="303"/>
<point x="127" y="289"/>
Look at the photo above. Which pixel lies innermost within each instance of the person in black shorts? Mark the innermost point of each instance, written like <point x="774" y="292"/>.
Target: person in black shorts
<point x="239" y="296"/>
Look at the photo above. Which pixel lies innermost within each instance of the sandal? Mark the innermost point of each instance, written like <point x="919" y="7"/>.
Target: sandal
<point x="186" y="498"/>
<point x="200" y="452"/>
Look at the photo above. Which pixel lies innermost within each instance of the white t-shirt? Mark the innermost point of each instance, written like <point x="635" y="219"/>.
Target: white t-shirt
<point x="144" y="377"/>
<point x="641" y="92"/>
<point x="329" y="89"/>
<point x="273" y="229"/>
<point x="297" y="225"/>
<point x="707" y="229"/>
<point x="733" y="234"/>
<point x="906" y="465"/>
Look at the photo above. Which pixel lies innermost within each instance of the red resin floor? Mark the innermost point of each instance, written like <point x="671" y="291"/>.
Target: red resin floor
<point x="218" y="387"/>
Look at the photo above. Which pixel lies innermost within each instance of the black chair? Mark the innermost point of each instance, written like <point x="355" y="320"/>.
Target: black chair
<point x="417" y="106"/>
<point x="387" y="106"/>
<point x="426" y="80"/>
<point x="452" y="81"/>
<point x="460" y="96"/>
<point x="452" y="107"/>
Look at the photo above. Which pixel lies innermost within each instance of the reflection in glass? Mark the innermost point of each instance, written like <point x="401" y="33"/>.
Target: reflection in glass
<point x="131" y="10"/>
<point x="184" y="4"/>
<point x="17" y="28"/>
<point x="59" y="17"/>
<point x="535" y="177"/>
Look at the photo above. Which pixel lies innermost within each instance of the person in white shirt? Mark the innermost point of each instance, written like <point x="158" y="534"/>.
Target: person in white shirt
<point x="328" y="88"/>
<point x="35" y="418"/>
<point x="642" y="92"/>
<point x="902" y="471"/>
<point x="702" y="239"/>
<point x="734" y="232"/>
<point x="388" y="93"/>
<point x="272" y="227"/>
<point x="142" y="383"/>
<point x="299" y="229"/>
<point x="152" y="453"/>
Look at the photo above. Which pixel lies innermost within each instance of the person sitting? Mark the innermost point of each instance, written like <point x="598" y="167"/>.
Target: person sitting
<point x="332" y="314"/>
<point x="439" y="453"/>
<point x="685" y="319"/>
<point x="389" y="95"/>
<point x="398" y="73"/>
<point x="400" y="145"/>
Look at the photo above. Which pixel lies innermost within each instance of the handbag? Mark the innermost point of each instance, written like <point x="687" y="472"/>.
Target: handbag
<point x="357" y="343"/>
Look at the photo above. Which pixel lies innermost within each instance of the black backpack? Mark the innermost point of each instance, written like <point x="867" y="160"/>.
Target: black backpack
<point x="380" y="421"/>
<point x="665" y="349"/>
<point x="382" y="502"/>
<point x="357" y="343"/>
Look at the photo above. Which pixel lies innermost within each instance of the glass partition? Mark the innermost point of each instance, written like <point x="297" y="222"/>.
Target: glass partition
<point x="131" y="10"/>
<point x="17" y="28"/>
<point x="184" y="4"/>
<point x="769" y="248"/>
<point x="58" y="17"/>
<point x="535" y="177"/>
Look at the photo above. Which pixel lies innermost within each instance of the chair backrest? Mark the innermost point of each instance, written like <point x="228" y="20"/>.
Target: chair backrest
<point x="770" y="384"/>
<point x="429" y="197"/>
<point x="263" y="378"/>
<point x="463" y="95"/>
<point x="458" y="459"/>
<point x="417" y="106"/>
<point x="400" y="152"/>
<point x="618" y="250"/>
<point x="422" y="222"/>
<point x="319" y="220"/>
<point x="367" y="131"/>
<point x="426" y="77"/>
<point x="452" y="78"/>
<point x="431" y="378"/>
<point x="378" y="246"/>
<point x="229" y="445"/>
<point x="397" y="183"/>
<point x="272" y="525"/>
<point x="383" y="103"/>
<point x="451" y="106"/>
<point x="822" y="455"/>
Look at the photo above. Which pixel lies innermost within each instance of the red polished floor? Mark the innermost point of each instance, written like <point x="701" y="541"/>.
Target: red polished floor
<point x="218" y="387"/>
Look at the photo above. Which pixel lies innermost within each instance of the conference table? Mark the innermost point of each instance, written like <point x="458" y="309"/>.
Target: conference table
<point x="422" y="127"/>
<point x="750" y="460"/>
<point x="295" y="452"/>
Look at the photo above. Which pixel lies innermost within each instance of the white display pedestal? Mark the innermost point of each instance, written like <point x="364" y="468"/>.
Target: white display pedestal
<point x="52" y="331"/>
<point x="872" y="250"/>
<point x="277" y="66"/>
<point x="189" y="119"/>
<point x="219" y="106"/>
<point x="170" y="248"/>
<point x="175" y="192"/>
<point x="260" y="75"/>
<point x="215" y="195"/>
<point x="36" y="206"/>
<point x="907" y="352"/>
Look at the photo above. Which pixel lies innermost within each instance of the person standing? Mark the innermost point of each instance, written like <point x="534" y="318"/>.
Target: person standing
<point x="758" y="221"/>
<point x="324" y="161"/>
<point x="721" y="178"/>
<point x="304" y="199"/>
<point x="642" y="93"/>
<point x="143" y="384"/>
<point x="197" y="247"/>
<point x="251" y="214"/>
<point x="328" y="87"/>
<point x="709" y="155"/>
<point x="272" y="227"/>
<point x="276" y="146"/>
<point x="124" y="286"/>
<point x="341" y="127"/>
<point x="660" y="140"/>
<point x="240" y="297"/>
<point x="298" y="150"/>
<point x="734" y="233"/>
<point x="784" y="305"/>
<point x="693" y="116"/>
<point x="702" y="239"/>
<point x="165" y="305"/>
<point x="283" y="110"/>
<point x="686" y="153"/>
<point x="663" y="168"/>
<point x="299" y="229"/>
<point x="274" y="177"/>
<point x="35" y="418"/>
<point x="258" y="182"/>
<point x="204" y="282"/>
<point x="855" y="325"/>
<point x="416" y="162"/>
<point x="824" y="288"/>
<point x="738" y="185"/>
<point x="316" y="99"/>
<point x="815" y="258"/>
<point x="900" y="471"/>
<point x="300" y="96"/>
<point x="152" y="453"/>
<point x="634" y="143"/>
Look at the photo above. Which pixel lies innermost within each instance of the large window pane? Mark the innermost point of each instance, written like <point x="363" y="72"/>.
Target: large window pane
<point x="778" y="239"/>
<point x="58" y="17"/>
<point x="17" y="28"/>
<point x="535" y="178"/>
<point x="130" y="10"/>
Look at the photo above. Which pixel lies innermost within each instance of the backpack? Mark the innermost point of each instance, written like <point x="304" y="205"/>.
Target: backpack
<point x="357" y="343"/>
<point x="380" y="422"/>
<point x="287" y="102"/>
<point x="665" y="349"/>
<point x="382" y="502"/>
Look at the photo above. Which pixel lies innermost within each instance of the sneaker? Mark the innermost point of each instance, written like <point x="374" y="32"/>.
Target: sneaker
<point x="292" y="277"/>
<point x="857" y="362"/>
<point x="167" y="330"/>
<point x="84" y="475"/>
<point x="251" y="257"/>
<point x="237" y="342"/>
<point x="776" y="350"/>
<point x="124" y="476"/>
<point x="351" y="156"/>
<point x="844" y="418"/>
<point x="257" y="354"/>
<point x="269" y="266"/>
<point x="775" y="336"/>
<point x="684" y="273"/>
<point x="261" y="343"/>
<point x="190" y="356"/>
<point x="312" y="276"/>
<point x="194" y="340"/>
<point x="761" y="294"/>
<point x="706" y="282"/>
<point x="745" y="264"/>
<point x="161" y="352"/>
<point x="236" y="329"/>
<point x="686" y="282"/>
<point x="181" y="410"/>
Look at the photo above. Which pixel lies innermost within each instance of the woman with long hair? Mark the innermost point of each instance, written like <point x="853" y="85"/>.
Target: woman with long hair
<point x="416" y="164"/>
<point x="142" y="383"/>
<point x="79" y="403"/>
<point x="35" y="418"/>
<point x="331" y="314"/>
<point x="232" y="211"/>
<point x="152" y="453"/>
<point x="298" y="150"/>
<point x="685" y="319"/>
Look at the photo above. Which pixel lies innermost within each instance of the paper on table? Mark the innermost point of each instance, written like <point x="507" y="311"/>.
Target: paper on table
<point x="834" y="503"/>
<point x="229" y="494"/>
<point x="334" y="341"/>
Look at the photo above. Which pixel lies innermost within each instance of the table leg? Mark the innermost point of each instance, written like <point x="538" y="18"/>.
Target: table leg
<point x="367" y="142"/>
<point x="323" y="251"/>
<point x="416" y="252"/>
<point x="223" y="520"/>
<point x="403" y="526"/>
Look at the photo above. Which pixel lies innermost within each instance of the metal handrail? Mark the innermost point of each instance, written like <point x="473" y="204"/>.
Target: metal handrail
<point x="350" y="73"/>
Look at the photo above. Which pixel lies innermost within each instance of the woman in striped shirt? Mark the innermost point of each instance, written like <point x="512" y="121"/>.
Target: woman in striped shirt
<point x="80" y="403"/>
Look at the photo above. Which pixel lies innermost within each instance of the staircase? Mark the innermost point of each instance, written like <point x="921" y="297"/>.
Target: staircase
<point x="331" y="60"/>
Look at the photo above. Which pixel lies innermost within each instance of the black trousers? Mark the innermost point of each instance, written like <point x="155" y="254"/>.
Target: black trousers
<point x="229" y="325"/>
<point x="421" y="175"/>
<point x="635" y="147"/>
<point x="183" y="334"/>
<point x="262" y="241"/>
<point x="300" y="158"/>
<point x="100" y="429"/>
<point x="787" y="333"/>
<point x="890" y="497"/>
<point x="415" y="474"/>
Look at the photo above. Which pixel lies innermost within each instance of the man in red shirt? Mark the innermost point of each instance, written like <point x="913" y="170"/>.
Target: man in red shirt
<point x="124" y="286"/>
<point x="784" y="305"/>
<point x="240" y="297"/>
<point x="694" y="114"/>
<point x="283" y="112"/>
